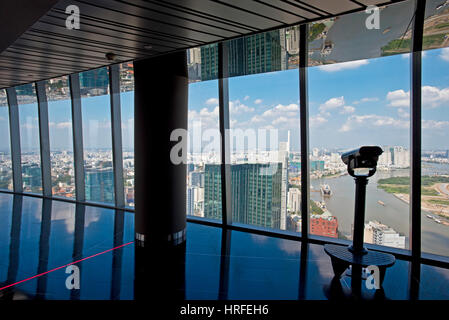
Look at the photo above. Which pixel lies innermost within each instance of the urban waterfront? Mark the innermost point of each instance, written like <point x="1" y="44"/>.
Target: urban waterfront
<point x="394" y="213"/>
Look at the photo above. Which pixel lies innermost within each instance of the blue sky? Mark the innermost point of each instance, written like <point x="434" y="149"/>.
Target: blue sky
<point x="351" y="104"/>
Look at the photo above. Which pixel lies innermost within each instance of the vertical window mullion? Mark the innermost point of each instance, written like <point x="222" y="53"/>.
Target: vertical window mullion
<point x="304" y="129"/>
<point x="77" y="127"/>
<point x="223" y="94"/>
<point x="44" y="138"/>
<point x="415" y="130"/>
<point x="16" y="158"/>
<point x="116" y="127"/>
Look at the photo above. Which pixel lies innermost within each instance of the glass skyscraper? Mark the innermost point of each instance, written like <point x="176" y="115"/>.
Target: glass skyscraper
<point x="256" y="193"/>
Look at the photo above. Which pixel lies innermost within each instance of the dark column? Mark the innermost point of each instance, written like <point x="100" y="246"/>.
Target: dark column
<point x="44" y="249"/>
<point x="160" y="107"/>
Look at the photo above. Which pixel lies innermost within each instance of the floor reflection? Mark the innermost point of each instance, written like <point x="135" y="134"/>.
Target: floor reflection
<point x="38" y="236"/>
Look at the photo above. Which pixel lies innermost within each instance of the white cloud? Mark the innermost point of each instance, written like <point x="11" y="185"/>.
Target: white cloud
<point x="399" y="98"/>
<point x="347" y="109"/>
<point x="365" y="100"/>
<point x="403" y="113"/>
<point x="343" y="66"/>
<point x="433" y="124"/>
<point x="337" y="103"/>
<point x="317" y="120"/>
<point x="235" y="107"/>
<point x="372" y="120"/>
<point x="205" y="118"/>
<point x="258" y="101"/>
<point x="286" y="116"/>
<point x="212" y="102"/>
<point x="431" y="96"/>
<point x="280" y="120"/>
<point x="445" y="54"/>
<point x="332" y="103"/>
<point x="64" y="125"/>
<point x="245" y="98"/>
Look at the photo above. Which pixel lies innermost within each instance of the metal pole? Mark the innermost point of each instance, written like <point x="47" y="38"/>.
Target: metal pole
<point x="359" y="215"/>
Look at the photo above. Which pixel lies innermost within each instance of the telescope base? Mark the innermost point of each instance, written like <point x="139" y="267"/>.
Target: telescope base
<point x="342" y="258"/>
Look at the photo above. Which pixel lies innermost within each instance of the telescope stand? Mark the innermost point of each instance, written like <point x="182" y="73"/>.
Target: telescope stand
<point x="357" y="255"/>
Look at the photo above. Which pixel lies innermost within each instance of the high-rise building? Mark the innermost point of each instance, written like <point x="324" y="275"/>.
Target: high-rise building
<point x="294" y="200"/>
<point x="401" y="157"/>
<point x="380" y="234"/>
<point x="32" y="176"/>
<point x="255" y="54"/>
<point x="97" y="79"/>
<point x="196" y="178"/>
<point x="100" y="184"/>
<point x="284" y="149"/>
<point x="292" y="40"/>
<point x="255" y="190"/>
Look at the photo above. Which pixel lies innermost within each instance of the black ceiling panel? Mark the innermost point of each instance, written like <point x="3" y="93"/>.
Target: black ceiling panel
<point x="39" y="46"/>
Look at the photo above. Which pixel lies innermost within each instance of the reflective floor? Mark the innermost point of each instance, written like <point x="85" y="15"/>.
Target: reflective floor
<point x="40" y="238"/>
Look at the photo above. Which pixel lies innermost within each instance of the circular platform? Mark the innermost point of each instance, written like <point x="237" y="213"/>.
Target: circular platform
<point x="372" y="258"/>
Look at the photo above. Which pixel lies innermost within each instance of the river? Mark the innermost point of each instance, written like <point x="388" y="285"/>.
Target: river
<point x="395" y="213"/>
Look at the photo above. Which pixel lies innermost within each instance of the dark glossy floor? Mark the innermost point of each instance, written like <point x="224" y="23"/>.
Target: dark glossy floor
<point x="37" y="236"/>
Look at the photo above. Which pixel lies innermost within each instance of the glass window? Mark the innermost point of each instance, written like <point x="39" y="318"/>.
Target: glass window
<point x="127" y="115"/>
<point x="61" y="141"/>
<point x="29" y="138"/>
<point x="265" y="146"/>
<point x="329" y="42"/>
<point x="203" y="157"/>
<point x="436" y="25"/>
<point x="202" y="63"/>
<point x="352" y="104"/>
<point x="435" y="152"/>
<point x="5" y="147"/>
<point x="97" y="136"/>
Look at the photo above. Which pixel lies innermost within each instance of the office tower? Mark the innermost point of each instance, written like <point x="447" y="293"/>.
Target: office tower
<point x="255" y="189"/>
<point x="385" y="159"/>
<point x="32" y="176"/>
<point x="381" y="234"/>
<point x="292" y="40"/>
<point x="284" y="148"/>
<point x="255" y="54"/>
<point x="294" y="200"/>
<point x="401" y="157"/>
<point x="196" y="178"/>
<point x="209" y="62"/>
<point x="100" y="184"/>
<point x="190" y="201"/>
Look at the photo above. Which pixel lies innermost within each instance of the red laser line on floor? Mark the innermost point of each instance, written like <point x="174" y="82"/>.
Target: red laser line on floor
<point x="68" y="264"/>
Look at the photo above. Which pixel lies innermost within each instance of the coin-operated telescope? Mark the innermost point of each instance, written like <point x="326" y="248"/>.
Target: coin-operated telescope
<point x="361" y="164"/>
